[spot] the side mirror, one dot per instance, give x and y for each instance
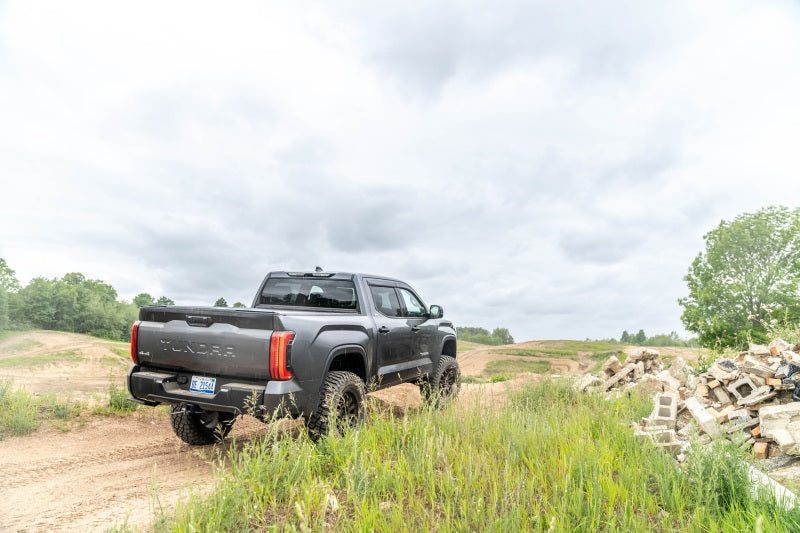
(436, 311)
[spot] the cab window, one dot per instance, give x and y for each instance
(414, 307)
(386, 301)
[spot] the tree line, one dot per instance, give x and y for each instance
(482, 336)
(72, 303)
(640, 338)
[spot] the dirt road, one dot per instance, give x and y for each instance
(110, 469)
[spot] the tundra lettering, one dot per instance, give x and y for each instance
(199, 348)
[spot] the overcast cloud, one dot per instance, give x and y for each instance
(550, 167)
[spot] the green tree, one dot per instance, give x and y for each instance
(4, 319)
(163, 300)
(746, 278)
(74, 303)
(221, 303)
(142, 299)
(8, 278)
(239, 305)
(626, 337)
(639, 338)
(502, 335)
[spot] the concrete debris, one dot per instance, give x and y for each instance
(752, 399)
(781, 423)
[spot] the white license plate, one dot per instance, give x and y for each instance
(202, 384)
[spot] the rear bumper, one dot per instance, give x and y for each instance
(257, 398)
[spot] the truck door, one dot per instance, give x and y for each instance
(394, 347)
(423, 330)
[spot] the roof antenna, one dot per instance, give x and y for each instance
(318, 269)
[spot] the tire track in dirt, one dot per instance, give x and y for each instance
(94, 477)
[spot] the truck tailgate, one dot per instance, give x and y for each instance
(206, 340)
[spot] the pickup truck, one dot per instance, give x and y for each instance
(310, 346)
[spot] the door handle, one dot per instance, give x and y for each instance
(414, 329)
(383, 329)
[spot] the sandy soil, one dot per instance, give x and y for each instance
(109, 469)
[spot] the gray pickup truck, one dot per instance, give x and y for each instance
(310, 346)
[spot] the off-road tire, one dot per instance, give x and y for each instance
(343, 403)
(200, 427)
(443, 385)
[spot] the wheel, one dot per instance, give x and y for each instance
(200, 427)
(343, 404)
(443, 385)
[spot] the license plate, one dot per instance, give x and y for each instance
(202, 384)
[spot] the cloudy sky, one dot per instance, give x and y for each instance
(550, 167)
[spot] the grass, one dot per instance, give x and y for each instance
(515, 366)
(41, 359)
(550, 459)
(118, 402)
(580, 346)
(22, 413)
(539, 352)
(24, 344)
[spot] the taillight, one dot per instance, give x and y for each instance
(134, 342)
(278, 354)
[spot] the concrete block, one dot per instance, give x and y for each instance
(643, 354)
(713, 384)
(759, 349)
(742, 387)
(665, 411)
(724, 370)
(670, 382)
(720, 394)
(791, 357)
(757, 368)
(638, 370)
(781, 423)
(738, 413)
(619, 376)
(611, 366)
(779, 345)
(760, 481)
(704, 420)
(759, 395)
(588, 381)
(661, 438)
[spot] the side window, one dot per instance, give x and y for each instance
(413, 306)
(386, 300)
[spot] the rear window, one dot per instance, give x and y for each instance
(327, 293)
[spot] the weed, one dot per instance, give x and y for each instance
(118, 402)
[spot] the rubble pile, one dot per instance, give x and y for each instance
(752, 400)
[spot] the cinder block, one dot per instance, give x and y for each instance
(665, 411)
(661, 438)
(742, 387)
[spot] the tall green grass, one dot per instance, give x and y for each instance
(22, 412)
(549, 459)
